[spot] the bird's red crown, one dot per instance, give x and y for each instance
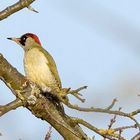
(34, 37)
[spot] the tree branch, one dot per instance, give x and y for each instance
(136, 137)
(14, 8)
(48, 135)
(49, 110)
(108, 111)
(43, 107)
(46, 109)
(108, 133)
(10, 106)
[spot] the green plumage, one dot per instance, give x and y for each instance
(39, 65)
(40, 68)
(52, 65)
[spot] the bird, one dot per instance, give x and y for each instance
(40, 67)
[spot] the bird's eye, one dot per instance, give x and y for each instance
(23, 40)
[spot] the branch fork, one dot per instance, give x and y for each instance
(47, 110)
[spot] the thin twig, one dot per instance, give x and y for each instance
(10, 106)
(104, 133)
(48, 135)
(101, 110)
(124, 127)
(113, 120)
(112, 104)
(136, 137)
(32, 9)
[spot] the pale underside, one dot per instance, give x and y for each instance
(38, 71)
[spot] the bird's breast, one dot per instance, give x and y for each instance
(37, 68)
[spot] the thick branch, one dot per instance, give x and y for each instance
(47, 109)
(43, 108)
(14, 8)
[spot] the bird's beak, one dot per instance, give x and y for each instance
(17, 40)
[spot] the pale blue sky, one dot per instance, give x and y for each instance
(94, 43)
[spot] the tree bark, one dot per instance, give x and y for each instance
(43, 108)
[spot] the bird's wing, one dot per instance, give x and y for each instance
(53, 67)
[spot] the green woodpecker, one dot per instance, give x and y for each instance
(39, 65)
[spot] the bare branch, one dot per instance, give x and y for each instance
(14, 8)
(112, 104)
(48, 136)
(10, 106)
(108, 111)
(124, 127)
(136, 137)
(43, 107)
(32, 9)
(113, 120)
(109, 133)
(47, 109)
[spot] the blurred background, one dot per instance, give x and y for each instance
(94, 43)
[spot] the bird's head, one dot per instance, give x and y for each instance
(27, 41)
